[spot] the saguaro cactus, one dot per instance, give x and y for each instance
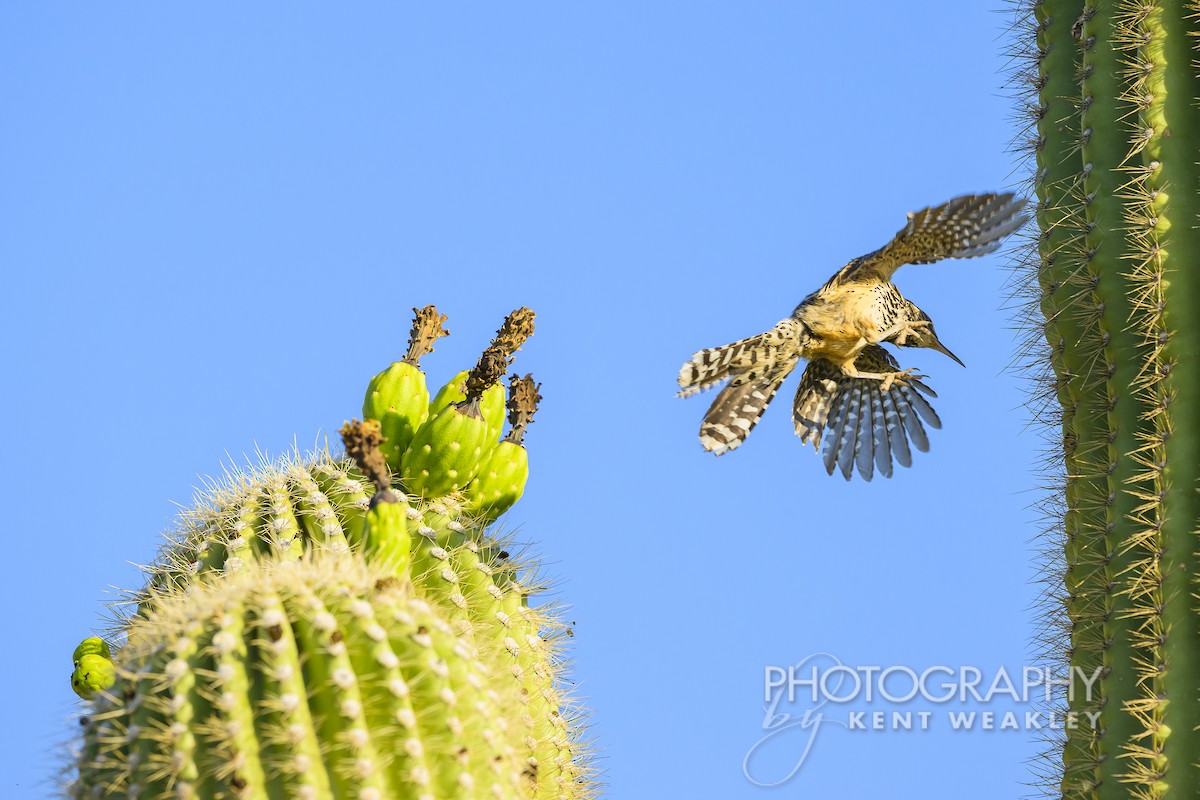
(320, 629)
(1117, 266)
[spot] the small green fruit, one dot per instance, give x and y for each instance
(91, 646)
(446, 452)
(93, 673)
(499, 483)
(398, 399)
(491, 405)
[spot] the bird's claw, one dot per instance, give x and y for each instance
(900, 378)
(909, 329)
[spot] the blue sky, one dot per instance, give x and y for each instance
(215, 219)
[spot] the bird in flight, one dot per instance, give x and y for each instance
(853, 393)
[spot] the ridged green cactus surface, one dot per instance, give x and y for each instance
(321, 628)
(325, 677)
(1116, 139)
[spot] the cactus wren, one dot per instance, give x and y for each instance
(852, 386)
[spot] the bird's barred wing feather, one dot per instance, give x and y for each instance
(861, 425)
(737, 409)
(864, 440)
(965, 227)
(883, 439)
(894, 422)
(814, 399)
(838, 423)
(745, 360)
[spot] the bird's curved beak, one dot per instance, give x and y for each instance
(941, 348)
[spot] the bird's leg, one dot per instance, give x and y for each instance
(886, 379)
(902, 330)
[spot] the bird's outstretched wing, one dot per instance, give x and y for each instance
(965, 227)
(737, 408)
(860, 424)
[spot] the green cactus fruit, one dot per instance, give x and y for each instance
(397, 397)
(491, 405)
(91, 646)
(501, 480)
(449, 449)
(454, 391)
(328, 678)
(93, 673)
(446, 452)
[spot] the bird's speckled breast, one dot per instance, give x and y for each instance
(844, 318)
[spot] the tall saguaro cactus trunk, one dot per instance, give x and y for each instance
(1116, 99)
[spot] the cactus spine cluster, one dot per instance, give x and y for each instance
(346, 628)
(1116, 131)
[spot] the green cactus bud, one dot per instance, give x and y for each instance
(491, 405)
(452, 445)
(446, 452)
(499, 483)
(385, 536)
(454, 391)
(397, 397)
(501, 480)
(91, 646)
(93, 673)
(518, 326)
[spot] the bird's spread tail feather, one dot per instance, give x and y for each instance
(746, 360)
(736, 410)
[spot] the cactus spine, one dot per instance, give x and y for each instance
(1118, 189)
(323, 629)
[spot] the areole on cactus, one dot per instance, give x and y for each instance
(1115, 92)
(324, 628)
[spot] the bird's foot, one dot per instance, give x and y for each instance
(899, 378)
(899, 333)
(889, 379)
